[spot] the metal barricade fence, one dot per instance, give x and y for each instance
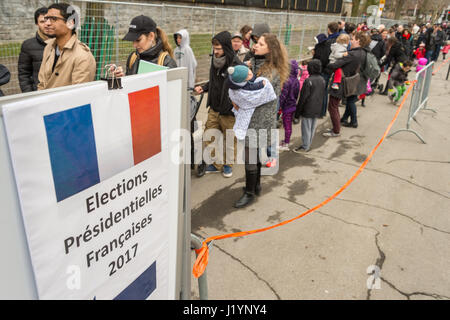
(419, 98)
(103, 24)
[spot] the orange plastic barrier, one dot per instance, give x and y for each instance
(203, 253)
(440, 66)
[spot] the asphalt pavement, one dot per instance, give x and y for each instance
(387, 236)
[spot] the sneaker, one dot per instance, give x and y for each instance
(227, 171)
(211, 169)
(328, 130)
(350, 125)
(271, 163)
(300, 150)
(283, 147)
(335, 86)
(331, 134)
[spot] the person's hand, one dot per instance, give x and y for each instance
(235, 106)
(117, 71)
(345, 54)
(264, 82)
(198, 90)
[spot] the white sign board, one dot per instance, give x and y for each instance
(91, 173)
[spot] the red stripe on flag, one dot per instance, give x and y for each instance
(145, 123)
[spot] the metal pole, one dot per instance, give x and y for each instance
(214, 25)
(301, 40)
(196, 244)
(281, 24)
(117, 35)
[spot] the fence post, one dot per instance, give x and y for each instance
(214, 25)
(117, 35)
(196, 244)
(281, 24)
(301, 40)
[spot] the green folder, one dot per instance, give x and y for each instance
(145, 67)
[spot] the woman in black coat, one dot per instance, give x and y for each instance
(351, 64)
(395, 53)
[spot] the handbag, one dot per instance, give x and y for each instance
(351, 84)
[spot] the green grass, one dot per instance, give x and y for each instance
(8, 50)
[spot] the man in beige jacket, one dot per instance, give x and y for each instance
(66, 60)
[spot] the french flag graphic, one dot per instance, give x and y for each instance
(84, 150)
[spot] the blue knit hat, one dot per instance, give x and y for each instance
(320, 38)
(238, 73)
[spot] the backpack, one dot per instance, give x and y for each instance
(160, 62)
(370, 69)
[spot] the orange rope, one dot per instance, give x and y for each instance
(203, 253)
(440, 66)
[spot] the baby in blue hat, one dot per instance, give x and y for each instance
(241, 77)
(247, 93)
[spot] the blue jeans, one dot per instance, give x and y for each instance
(350, 110)
(428, 55)
(435, 54)
(323, 112)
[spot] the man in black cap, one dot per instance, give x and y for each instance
(150, 43)
(220, 115)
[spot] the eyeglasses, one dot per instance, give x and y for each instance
(53, 18)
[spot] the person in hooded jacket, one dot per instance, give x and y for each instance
(151, 45)
(184, 56)
(288, 101)
(309, 104)
(220, 114)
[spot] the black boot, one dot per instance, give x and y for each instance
(258, 181)
(249, 192)
(201, 169)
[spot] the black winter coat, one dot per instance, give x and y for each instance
(311, 96)
(322, 50)
(379, 50)
(350, 64)
(30, 59)
(397, 54)
(217, 86)
(4, 77)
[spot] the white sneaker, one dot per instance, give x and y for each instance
(331, 134)
(283, 147)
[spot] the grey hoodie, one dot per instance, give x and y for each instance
(184, 56)
(337, 51)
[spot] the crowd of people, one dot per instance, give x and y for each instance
(251, 80)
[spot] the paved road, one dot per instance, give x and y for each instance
(394, 216)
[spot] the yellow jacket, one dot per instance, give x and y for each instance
(76, 64)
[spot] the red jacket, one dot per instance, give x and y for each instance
(420, 53)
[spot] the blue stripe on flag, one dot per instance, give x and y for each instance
(142, 287)
(73, 156)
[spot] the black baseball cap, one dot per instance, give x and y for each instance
(140, 25)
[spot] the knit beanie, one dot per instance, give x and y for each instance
(320, 38)
(238, 73)
(422, 61)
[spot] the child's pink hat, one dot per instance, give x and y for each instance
(423, 61)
